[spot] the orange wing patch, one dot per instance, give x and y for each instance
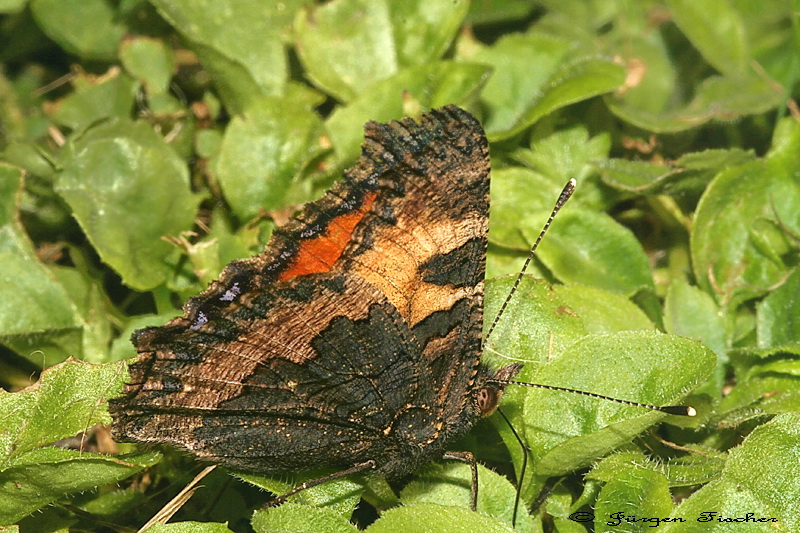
(321, 252)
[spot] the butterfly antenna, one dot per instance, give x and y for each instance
(680, 410)
(569, 188)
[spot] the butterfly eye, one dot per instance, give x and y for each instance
(486, 401)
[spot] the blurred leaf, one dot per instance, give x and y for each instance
(12, 6)
(716, 98)
(111, 95)
(716, 29)
(692, 171)
(149, 61)
(348, 45)
(690, 312)
(114, 176)
(518, 95)
(240, 46)
(91, 29)
(263, 153)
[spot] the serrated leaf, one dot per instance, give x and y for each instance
(634, 491)
(568, 432)
(433, 517)
(449, 483)
(755, 482)
(36, 416)
(338, 495)
(737, 241)
(189, 527)
(44, 475)
(296, 518)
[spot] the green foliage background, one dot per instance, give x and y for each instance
(147, 144)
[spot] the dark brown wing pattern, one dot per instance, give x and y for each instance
(354, 337)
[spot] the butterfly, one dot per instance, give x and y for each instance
(354, 341)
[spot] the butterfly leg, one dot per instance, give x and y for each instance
(355, 469)
(467, 457)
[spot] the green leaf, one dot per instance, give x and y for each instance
(779, 315)
(339, 495)
(348, 45)
(149, 61)
(449, 483)
(691, 172)
(67, 400)
(635, 491)
(115, 176)
(94, 308)
(591, 247)
(737, 242)
(91, 29)
(263, 154)
(10, 7)
(715, 98)
(566, 432)
(45, 475)
(434, 517)
(549, 331)
(573, 82)
(690, 312)
(513, 85)
(240, 46)
(96, 98)
(295, 518)
(33, 301)
(716, 29)
(755, 481)
(189, 527)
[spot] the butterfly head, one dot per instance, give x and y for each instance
(488, 395)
